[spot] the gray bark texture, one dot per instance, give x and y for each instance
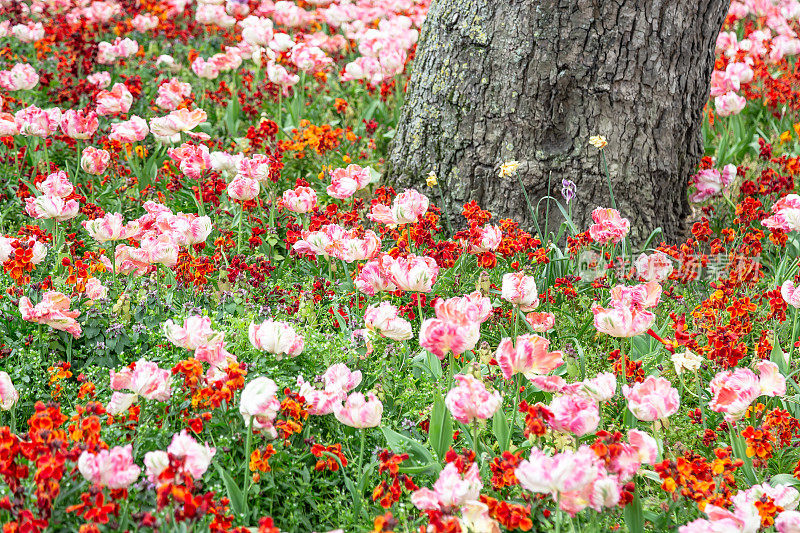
(500, 80)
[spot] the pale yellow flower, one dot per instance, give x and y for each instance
(509, 168)
(431, 180)
(598, 141)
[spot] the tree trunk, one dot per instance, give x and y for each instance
(531, 81)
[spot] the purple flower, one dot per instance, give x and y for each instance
(568, 190)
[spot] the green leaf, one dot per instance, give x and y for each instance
(234, 492)
(440, 434)
(417, 453)
(740, 452)
(777, 356)
(501, 430)
(784, 479)
(634, 518)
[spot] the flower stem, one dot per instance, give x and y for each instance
(608, 178)
(361, 451)
(245, 485)
(794, 333)
(239, 230)
(515, 381)
(475, 431)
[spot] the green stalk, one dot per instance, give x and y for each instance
(608, 178)
(515, 381)
(239, 229)
(246, 484)
(794, 333)
(475, 431)
(527, 200)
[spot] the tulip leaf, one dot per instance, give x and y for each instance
(419, 456)
(234, 492)
(501, 429)
(440, 432)
(634, 518)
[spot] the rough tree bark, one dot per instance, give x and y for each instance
(499, 80)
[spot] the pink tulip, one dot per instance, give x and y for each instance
(488, 240)
(621, 321)
(358, 248)
(112, 468)
(55, 207)
(771, 380)
(278, 75)
(653, 399)
(574, 413)
(600, 388)
(470, 400)
(636, 297)
(195, 332)
(520, 290)
(144, 22)
(733, 391)
(608, 227)
(243, 189)
(8, 394)
(256, 168)
(319, 402)
(654, 267)
(275, 337)
(407, 208)
(541, 322)
(785, 214)
(196, 457)
(645, 445)
(791, 293)
(34, 122)
(346, 181)
(413, 273)
(472, 308)
(564, 472)
(101, 80)
(192, 159)
(441, 337)
(8, 125)
(172, 93)
(339, 377)
(373, 278)
(117, 100)
(56, 184)
(53, 311)
(529, 356)
(309, 58)
(260, 404)
(205, 69)
(383, 319)
(95, 290)
(711, 183)
(729, 104)
(94, 161)
(20, 77)
(178, 121)
(79, 125)
(214, 352)
(129, 131)
(300, 200)
(359, 412)
(451, 490)
(111, 227)
(788, 522)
